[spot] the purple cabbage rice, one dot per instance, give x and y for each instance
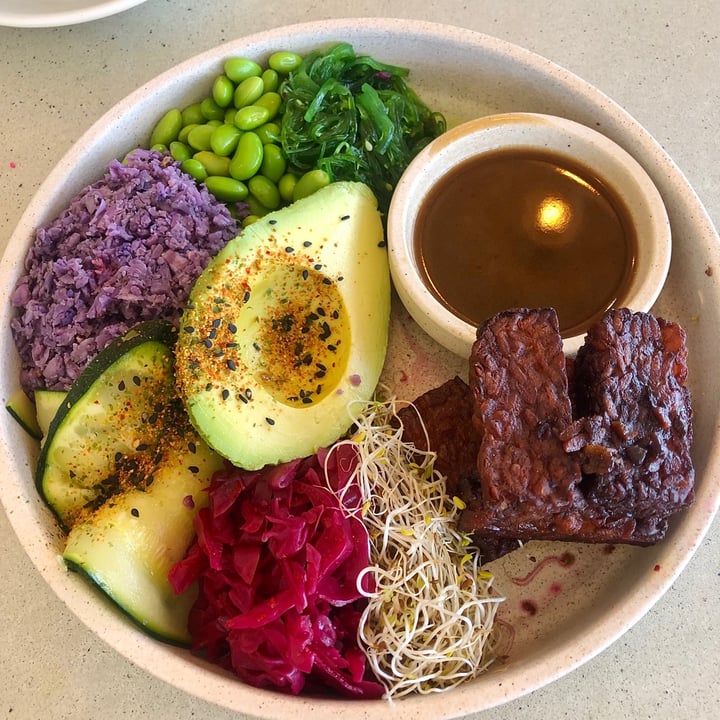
(127, 249)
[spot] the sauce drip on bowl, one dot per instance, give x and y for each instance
(524, 228)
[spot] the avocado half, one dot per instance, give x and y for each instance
(287, 329)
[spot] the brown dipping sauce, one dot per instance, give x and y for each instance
(524, 228)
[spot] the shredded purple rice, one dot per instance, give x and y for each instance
(127, 249)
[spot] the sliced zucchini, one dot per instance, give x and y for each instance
(22, 408)
(47, 403)
(109, 424)
(128, 546)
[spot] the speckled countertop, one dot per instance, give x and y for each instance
(658, 60)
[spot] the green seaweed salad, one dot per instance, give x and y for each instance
(355, 118)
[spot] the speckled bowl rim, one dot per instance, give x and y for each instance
(601, 156)
(123, 126)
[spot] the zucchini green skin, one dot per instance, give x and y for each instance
(128, 546)
(21, 407)
(105, 415)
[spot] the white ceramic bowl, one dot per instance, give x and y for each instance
(562, 138)
(464, 74)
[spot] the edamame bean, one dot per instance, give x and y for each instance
(222, 90)
(187, 129)
(211, 110)
(271, 101)
(251, 117)
(271, 80)
(226, 189)
(286, 186)
(237, 69)
(224, 139)
(248, 91)
(199, 137)
(310, 182)
(167, 128)
(274, 163)
(192, 115)
(159, 147)
(269, 133)
(180, 151)
(214, 164)
(248, 157)
(265, 191)
(284, 61)
(195, 169)
(256, 207)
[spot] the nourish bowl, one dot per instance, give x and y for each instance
(525, 210)
(465, 75)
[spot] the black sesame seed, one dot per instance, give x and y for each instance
(121, 385)
(269, 421)
(207, 342)
(320, 311)
(318, 266)
(289, 249)
(256, 346)
(382, 244)
(243, 398)
(194, 469)
(306, 400)
(248, 393)
(231, 364)
(327, 281)
(307, 243)
(135, 512)
(212, 334)
(208, 386)
(189, 329)
(345, 217)
(340, 278)
(320, 366)
(305, 274)
(232, 327)
(272, 222)
(217, 322)
(225, 394)
(192, 447)
(141, 447)
(332, 348)
(246, 296)
(136, 380)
